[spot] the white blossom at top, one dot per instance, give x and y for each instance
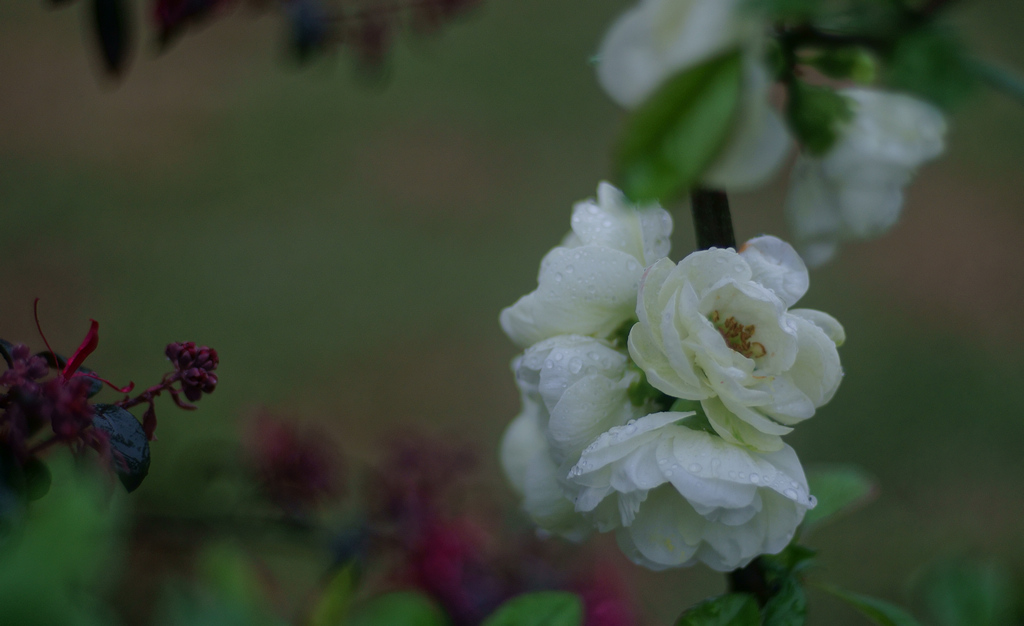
(588, 285)
(717, 328)
(856, 190)
(573, 389)
(659, 38)
(682, 495)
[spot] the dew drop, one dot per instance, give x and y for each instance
(754, 478)
(575, 365)
(558, 277)
(593, 209)
(668, 473)
(559, 356)
(812, 501)
(569, 269)
(790, 493)
(694, 468)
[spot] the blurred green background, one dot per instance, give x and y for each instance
(347, 246)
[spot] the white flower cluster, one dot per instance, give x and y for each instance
(853, 191)
(712, 340)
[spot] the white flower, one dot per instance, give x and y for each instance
(573, 389)
(659, 38)
(685, 495)
(587, 285)
(856, 190)
(716, 328)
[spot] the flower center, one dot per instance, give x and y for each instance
(737, 336)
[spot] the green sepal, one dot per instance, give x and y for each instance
(851, 63)
(816, 114)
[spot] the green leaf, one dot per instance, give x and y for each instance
(878, 611)
(967, 593)
(5, 352)
(932, 64)
(230, 575)
(333, 605)
(788, 604)
(815, 115)
(732, 609)
(675, 135)
(54, 568)
(543, 608)
(407, 608)
(129, 445)
(838, 489)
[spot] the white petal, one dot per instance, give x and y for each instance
(825, 322)
(589, 290)
(777, 266)
(813, 211)
(759, 144)
(613, 222)
(817, 371)
(619, 442)
(666, 531)
(629, 67)
(522, 443)
(734, 430)
(588, 408)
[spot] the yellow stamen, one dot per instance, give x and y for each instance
(737, 336)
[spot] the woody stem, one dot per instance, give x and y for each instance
(711, 220)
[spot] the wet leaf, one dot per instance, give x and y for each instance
(128, 443)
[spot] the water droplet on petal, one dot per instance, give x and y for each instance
(558, 277)
(790, 493)
(754, 478)
(569, 269)
(694, 468)
(575, 365)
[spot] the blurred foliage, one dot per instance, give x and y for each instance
(544, 608)
(678, 131)
(56, 563)
(732, 609)
(969, 592)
